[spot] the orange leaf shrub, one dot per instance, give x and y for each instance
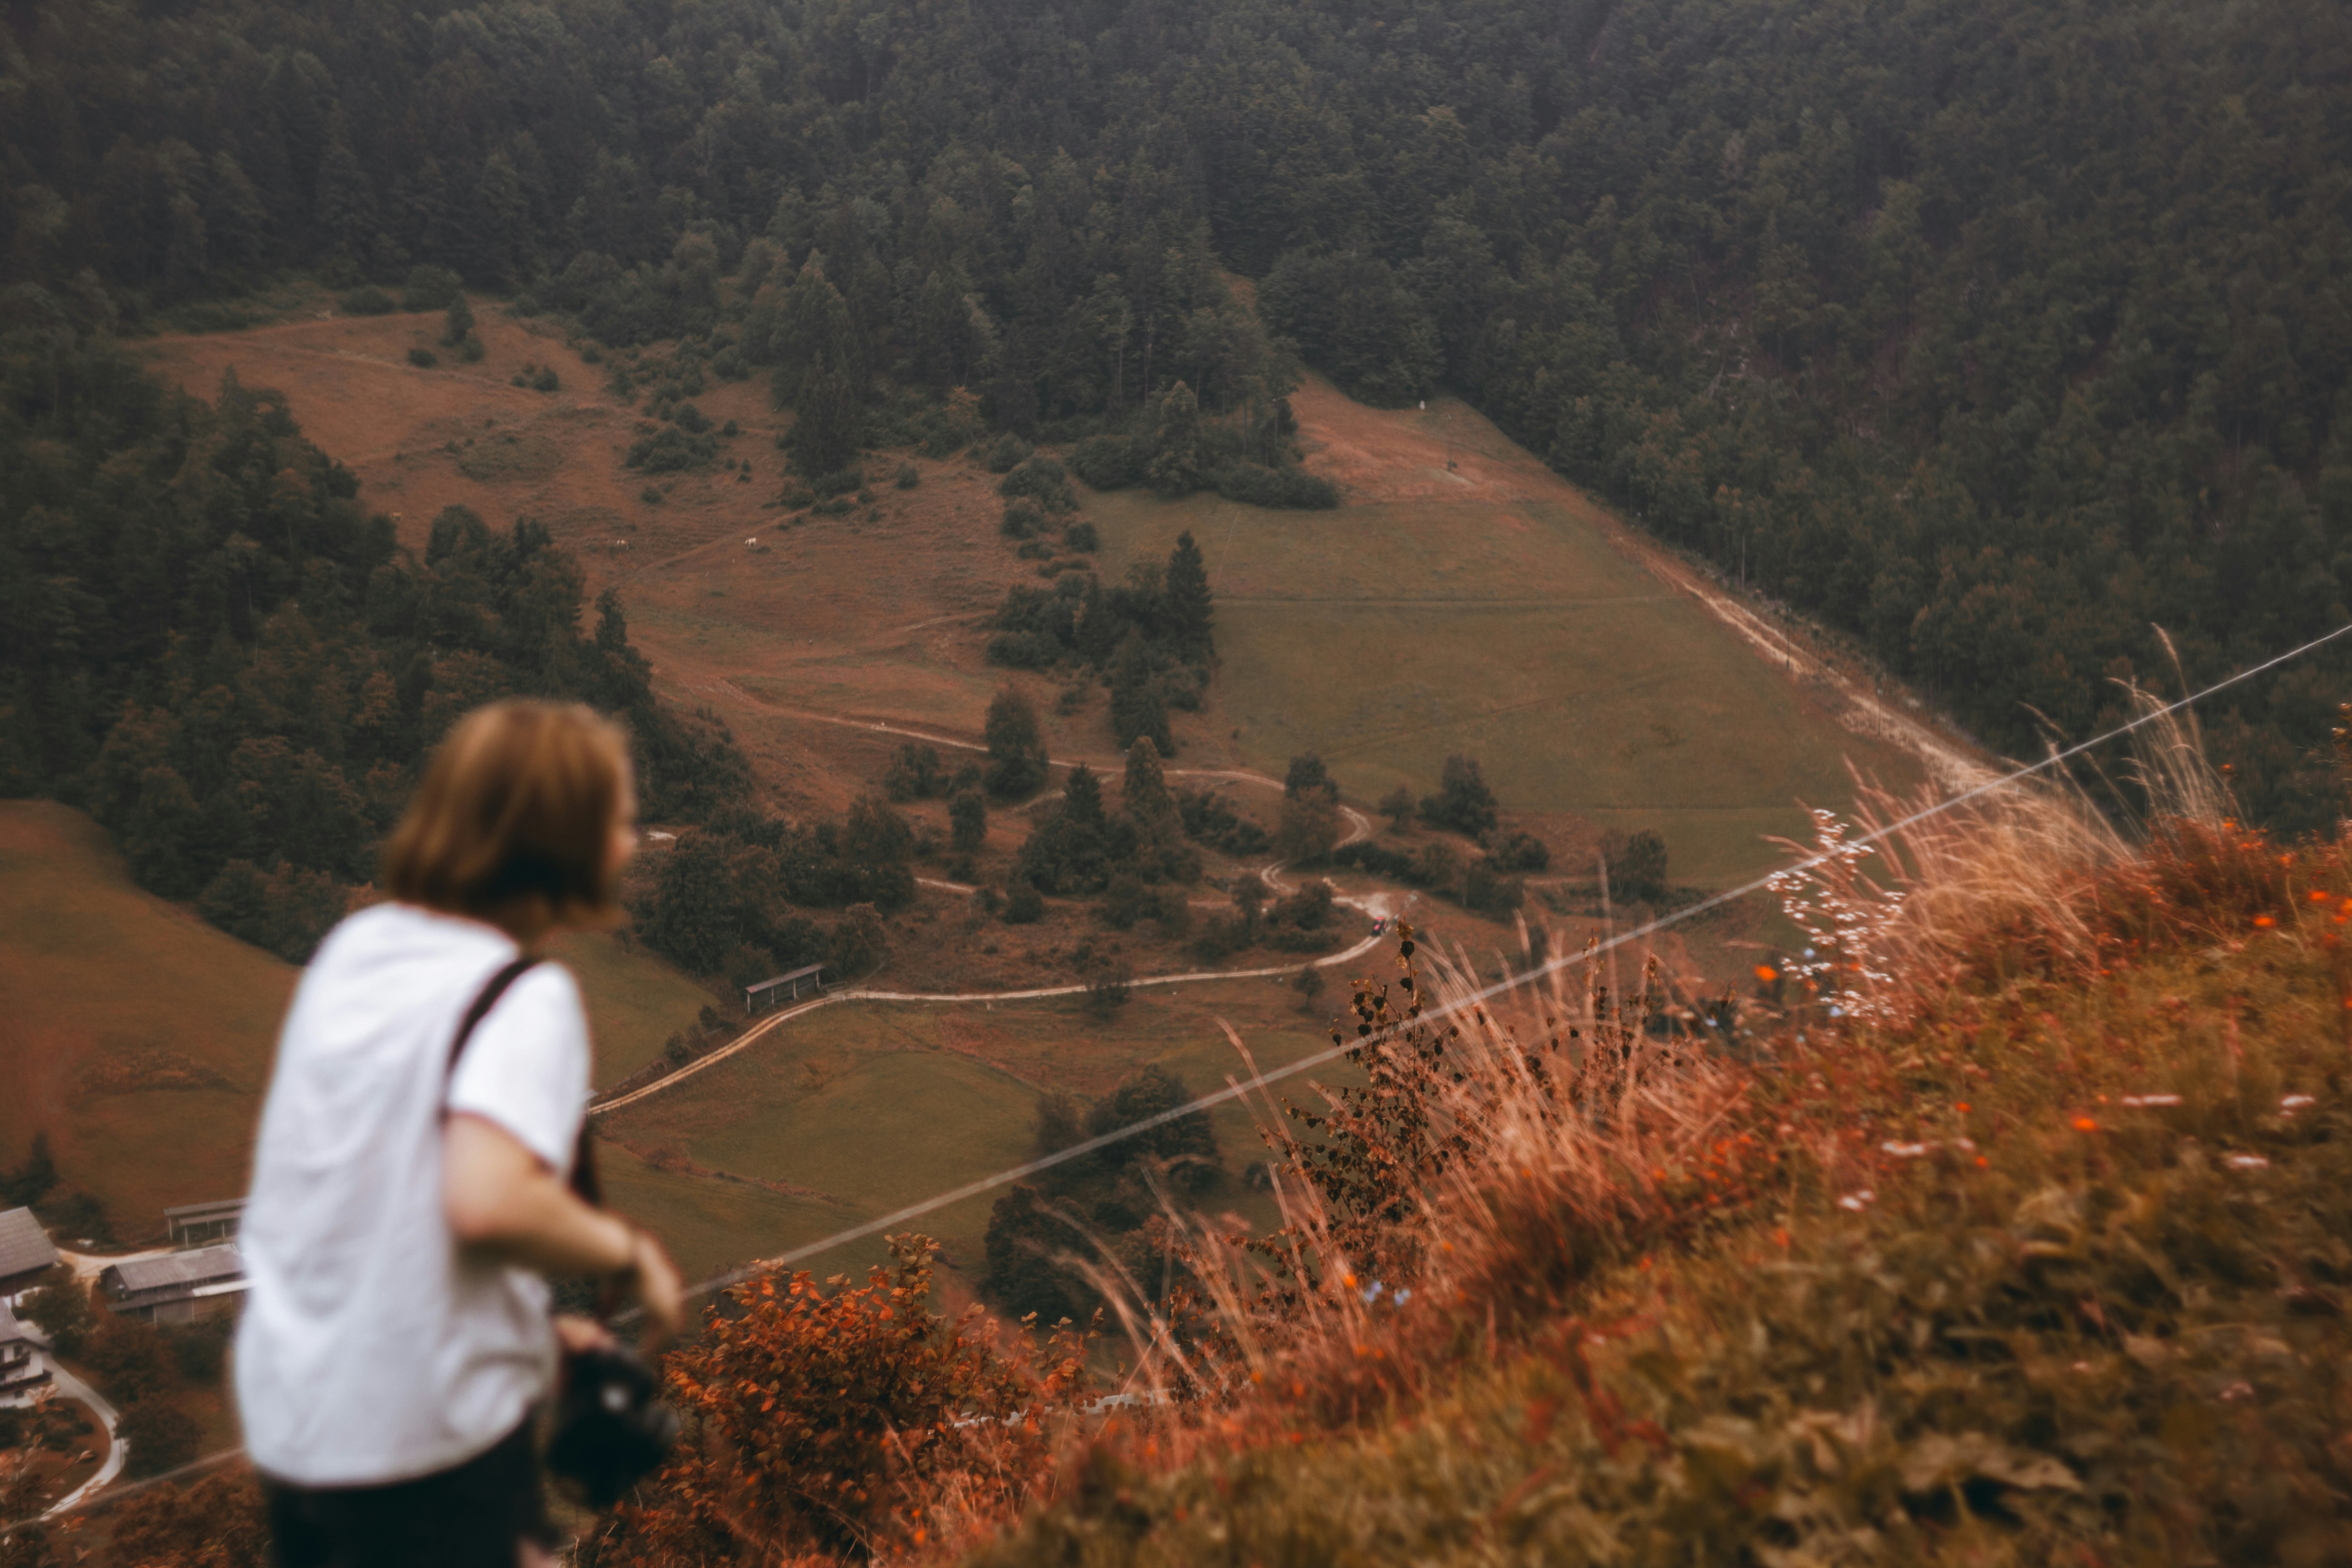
(845, 1423)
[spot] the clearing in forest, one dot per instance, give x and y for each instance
(1466, 599)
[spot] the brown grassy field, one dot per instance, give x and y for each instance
(1463, 599)
(869, 1106)
(136, 1036)
(139, 1037)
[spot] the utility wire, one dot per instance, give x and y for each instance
(1332, 1053)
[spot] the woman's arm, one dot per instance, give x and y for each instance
(500, 1195)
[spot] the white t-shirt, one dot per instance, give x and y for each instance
(372, 1349)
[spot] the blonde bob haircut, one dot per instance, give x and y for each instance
(516, 816)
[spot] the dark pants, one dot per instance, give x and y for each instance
(474, 1515)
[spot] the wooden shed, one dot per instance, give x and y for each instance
(784, 989)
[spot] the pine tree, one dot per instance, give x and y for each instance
(1175, 466)
(346, 200)
(1185, 594)
(1144, 793)
(1082, 804)
(967, 823)
(458, 322)
(1017, 747)
(829, 423)
(498, 225)
(1137, 709)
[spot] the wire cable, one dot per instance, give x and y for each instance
(1332, 1053)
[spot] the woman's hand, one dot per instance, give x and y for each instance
(659, 1288)
(577, 1335)
(500, 1195)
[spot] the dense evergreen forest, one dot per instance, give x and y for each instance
(206, 641)
(1993, 333)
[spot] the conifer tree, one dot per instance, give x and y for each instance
(1185, 594)
(458, 322)
(1144, 793)
(1017, 747)
(346, 201)
(967, 823)
(1137, 709)
(1175, 466)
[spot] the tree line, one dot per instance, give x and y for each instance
(209, 645)
(1993, 335)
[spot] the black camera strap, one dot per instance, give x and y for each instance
(584, 1184)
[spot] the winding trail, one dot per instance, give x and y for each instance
(118, 1452)
(1359, 827)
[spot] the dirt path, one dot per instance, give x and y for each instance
(1863, 711)
(1359, 826)
(1378, 905)
(1375, 905)
(1447, 450)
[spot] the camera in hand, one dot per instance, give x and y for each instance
(610, 1429)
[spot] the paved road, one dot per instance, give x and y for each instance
(72, 1387)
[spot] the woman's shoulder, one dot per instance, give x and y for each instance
(548, 984)
(406, 932)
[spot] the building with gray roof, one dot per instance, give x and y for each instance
(173, 1287)
(25, 1253)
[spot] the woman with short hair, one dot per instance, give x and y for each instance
(415, 1166)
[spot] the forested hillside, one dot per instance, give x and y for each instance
(205, 642)
(1994, 332)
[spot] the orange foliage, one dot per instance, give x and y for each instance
(846, 1423)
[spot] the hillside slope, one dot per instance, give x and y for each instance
(2048, 1267)
(139, 1037)
(1464, 599)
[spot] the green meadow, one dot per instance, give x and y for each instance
(1389, 635)
(872, 1106)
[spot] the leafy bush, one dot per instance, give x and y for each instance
(1002, 454)
(1519, 850)
(423, 358)
(1108, 462)
(160, 1435)
(369, 300)
(908, 476)
(470, 348)
(670, 450)
(1637, 864)
(870, 1412)
(1023, 650)
(1486, 890)
(60, 1306)
(1462, 801)
(840, 482)
(131, 1361)
(1208, 820)
(1040, 479)
(1081, 536)
(1024, 905)
(430, 287)
(1257, 485)
(545, 380)
(915, 772)
(1023, 518)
